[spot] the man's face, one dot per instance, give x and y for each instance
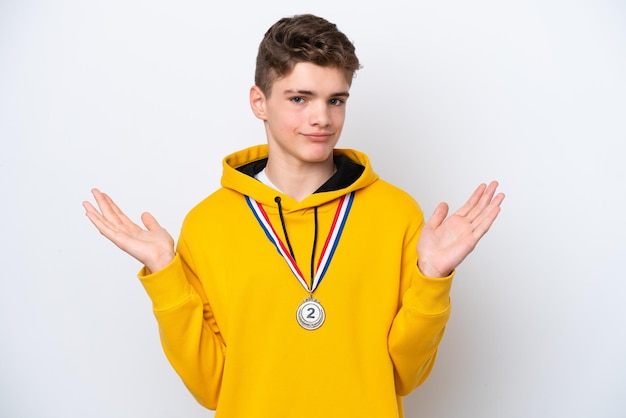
(304, 114)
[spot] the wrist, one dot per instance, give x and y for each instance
(428, 270)
(160, 262)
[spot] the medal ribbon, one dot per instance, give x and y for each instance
(332, 240)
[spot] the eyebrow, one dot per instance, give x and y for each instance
(312, 93)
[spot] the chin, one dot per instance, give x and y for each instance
(321, 150)
(318, 156)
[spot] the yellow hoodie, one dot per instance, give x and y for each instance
(226, 306)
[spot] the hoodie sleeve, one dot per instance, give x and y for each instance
(419, 325)
(189, 334)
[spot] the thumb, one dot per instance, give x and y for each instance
(150, 221)
(438, 216)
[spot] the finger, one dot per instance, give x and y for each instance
(472, 201)
(113, 214)
(119, 215)
(484, 201)
(89, 207)
(481, 228)
(482, 225)
(99, 222)
(150, 222)
(104, 204)
(110, 220)
(96, 217)
(438, 216)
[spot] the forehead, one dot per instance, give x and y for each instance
(312, 78)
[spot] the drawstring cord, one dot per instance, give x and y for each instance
(282, 222)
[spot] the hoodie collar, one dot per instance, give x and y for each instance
(353, 172)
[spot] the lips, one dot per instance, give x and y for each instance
(319, 137)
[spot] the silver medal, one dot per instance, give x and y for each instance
(310, 314)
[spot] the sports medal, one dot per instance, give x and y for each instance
(310, 314)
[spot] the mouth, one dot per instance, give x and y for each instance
(319, 136)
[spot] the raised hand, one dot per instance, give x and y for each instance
(153, 246)
(445, 242)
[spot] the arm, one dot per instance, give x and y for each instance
(188, 330)
(443, 244)
(189, 333)
(419, 324)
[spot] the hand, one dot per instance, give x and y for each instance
(153, 246)
(444, 243)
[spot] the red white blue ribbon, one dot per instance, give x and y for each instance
(332, 240)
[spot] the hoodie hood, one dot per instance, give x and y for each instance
(354, 172)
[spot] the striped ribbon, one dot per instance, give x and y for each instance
(330, 245)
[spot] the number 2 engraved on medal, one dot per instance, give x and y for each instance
(310, 314)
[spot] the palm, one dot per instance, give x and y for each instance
(152, 246)
(445, 242)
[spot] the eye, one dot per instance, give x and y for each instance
(297, 99)
(336, 102)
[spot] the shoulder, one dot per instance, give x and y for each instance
(382, 205)
(214, 207)
(382, 194)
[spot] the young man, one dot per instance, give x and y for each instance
(306, 286)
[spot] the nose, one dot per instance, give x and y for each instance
(319, 113)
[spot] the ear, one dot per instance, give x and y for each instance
(257, 102)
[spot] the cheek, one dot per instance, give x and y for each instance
(339, 115)
(285, 115)
(290, 120)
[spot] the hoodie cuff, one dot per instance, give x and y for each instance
(167, 287)
(428, 295)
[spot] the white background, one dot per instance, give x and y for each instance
(143, 99)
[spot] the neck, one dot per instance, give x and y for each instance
(300, 180)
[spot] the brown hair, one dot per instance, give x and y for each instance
(302, 38)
